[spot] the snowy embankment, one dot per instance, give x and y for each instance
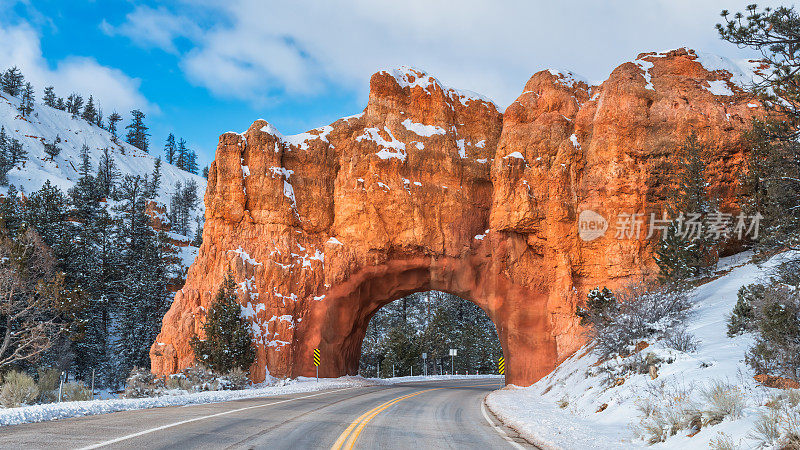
(585, 403)
(63, 410)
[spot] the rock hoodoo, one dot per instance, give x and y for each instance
(434, 188)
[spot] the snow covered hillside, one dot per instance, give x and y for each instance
(706, 398)
(45, 123)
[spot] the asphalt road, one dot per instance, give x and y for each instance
(423, 415)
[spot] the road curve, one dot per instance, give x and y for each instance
(441, 414)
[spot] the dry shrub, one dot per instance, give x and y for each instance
(48, 380)
(640, 311)
(723, 400)
(178, 381)
(723, 442)
(235, 380)
(767, 429)
(75, 391)
(142, 383)
(18, 388)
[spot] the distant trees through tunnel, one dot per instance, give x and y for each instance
(431, 322)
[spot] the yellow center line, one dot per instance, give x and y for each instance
(354, 430)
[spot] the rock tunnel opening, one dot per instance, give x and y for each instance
(429, 323)
(339, 323)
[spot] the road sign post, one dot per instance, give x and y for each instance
(453, 353)
(317, 360)
(425, 364)
(501, 366)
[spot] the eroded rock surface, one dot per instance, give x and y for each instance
(433, 188)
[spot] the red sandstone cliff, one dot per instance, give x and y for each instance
(432, 188)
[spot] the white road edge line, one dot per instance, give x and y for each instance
(175, 424)
(499, 430)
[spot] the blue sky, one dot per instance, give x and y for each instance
(200, 68)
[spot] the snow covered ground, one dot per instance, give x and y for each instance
(583, 405)
(45, 123)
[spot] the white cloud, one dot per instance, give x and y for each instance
(111, 87)
(153, 27)
(252, 49)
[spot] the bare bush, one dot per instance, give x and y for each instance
(723, 442)
(178, 381)
(723, 400)
(666, 410)
(643, 310)
(235, 380)
(767, 428)
(31, 298)
(18, 388)
(142, 383)
(681, 340)
(75, 391)
(47, 382)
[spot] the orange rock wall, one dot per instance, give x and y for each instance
(432, 188)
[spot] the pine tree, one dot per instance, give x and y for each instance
(771, 181)
(228, 343)
(17, 153)
(99, 121)
(52, 149)
(10, 210)
(137, 131)
(60, 104)
(170, 148)
(191, 163)
(50, 97)
(681, 252)
(198, 232)
(46, 211)
(95, 269)
(599, 305)
(107, 174)
(26, 103)
(182, 204)
(5, 157)
(182, 160)
(144, 296)
(89, 111)
(155, 180)
(113, 119)
(205, 172)
(74, 104)
(12, 81)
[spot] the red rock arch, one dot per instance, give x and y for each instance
(432, 188)
(339, 326)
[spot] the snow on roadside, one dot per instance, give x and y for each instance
(577, 407)
(63, 410)
(543, 424)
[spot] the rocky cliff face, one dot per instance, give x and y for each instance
(433, 188)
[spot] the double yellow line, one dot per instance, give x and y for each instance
(348, 438)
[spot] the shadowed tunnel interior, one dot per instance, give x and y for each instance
(429, 323)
